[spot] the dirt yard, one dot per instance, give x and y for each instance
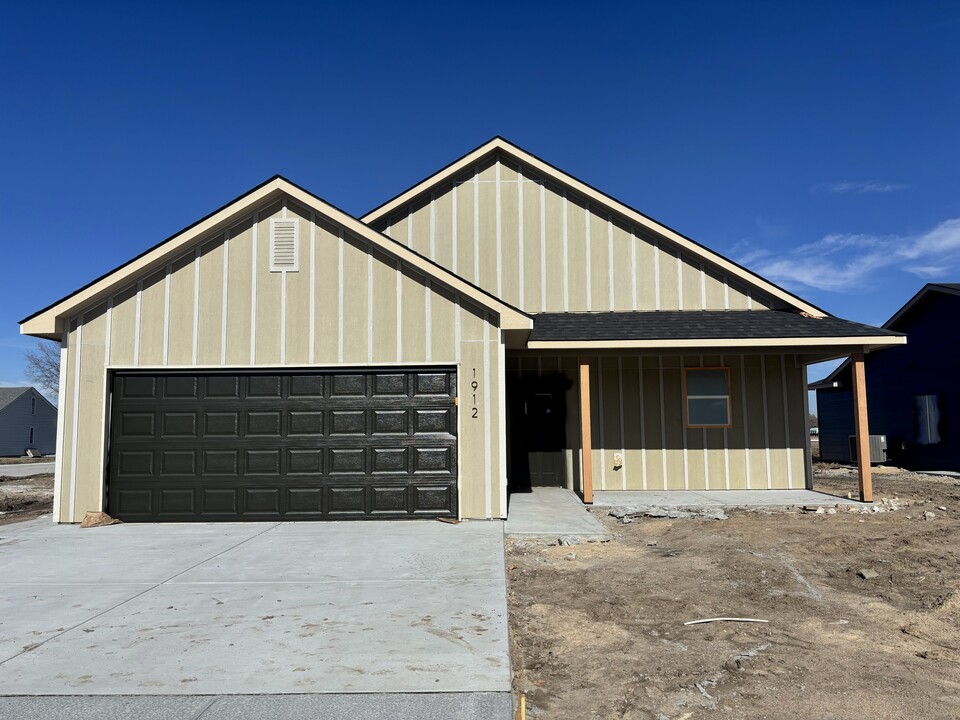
(864, 618)
(25, 498)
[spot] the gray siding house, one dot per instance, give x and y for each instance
(27, 420)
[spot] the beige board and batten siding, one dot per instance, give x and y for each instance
(637, 410)
(219, 305)
(544, 248)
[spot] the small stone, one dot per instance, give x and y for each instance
(868, 574)
(652, 543)
(820, 511)
(929, 515)
(831, 511)
(571, 556)
(941, 507)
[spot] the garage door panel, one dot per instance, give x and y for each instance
(300, 444)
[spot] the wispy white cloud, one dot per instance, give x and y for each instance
(850, 186)
(846, 262)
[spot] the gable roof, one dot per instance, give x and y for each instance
(833, 378)
(9, 394)
(48, 322)
(500, 145)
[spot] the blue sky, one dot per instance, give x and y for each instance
(815, 142)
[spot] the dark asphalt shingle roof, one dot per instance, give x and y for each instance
(693, 324)
(9, 394)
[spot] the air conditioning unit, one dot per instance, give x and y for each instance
(878, 448)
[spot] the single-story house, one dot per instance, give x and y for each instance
(498, 325)
(27, 421)
(913, 391)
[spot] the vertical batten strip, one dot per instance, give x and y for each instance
(706, 455)
(497, 168)
(623, 442)
(487, 469)
(656, 272)
(283, 296)
(746, 424)
(726, 293)
(683, 430)
(76, 421)
(543, 248)
(643, 425)
(663, 426)
(166, 313)
(588, 267)
(726, 442)
(610, 276)
(601, 429)
(136, 327)
(679, 280)
(749, 299)
(105, 422)
(476, 226)
(428, 315)
(502, 424)
(523, 300)
(370, 303)
(453, 230)
(766, 417)
(253, 288)
(61, 424)
(457, 331)
(786, 422)
(340, 296)
(196, 307)
(433, 226)
(703, 288)
(399, 276)
(311, 353)
(224, 299)
(566, 260)
(633, 270)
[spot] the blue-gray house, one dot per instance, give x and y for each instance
(27, 420)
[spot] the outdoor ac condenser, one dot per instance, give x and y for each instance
(878, 448)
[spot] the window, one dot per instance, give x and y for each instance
(33, 407)
(31, 436)
(927, 419)
(707, 397)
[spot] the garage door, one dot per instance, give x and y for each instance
(305, 445)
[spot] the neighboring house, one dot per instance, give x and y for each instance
(913, 395)
(27, 420)
(500, 324)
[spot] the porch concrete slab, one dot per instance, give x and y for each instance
(27, 469)
(374, 706)
(415, 607)
(718, 498)
(551, 513)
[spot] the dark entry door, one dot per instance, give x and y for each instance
(537, 430)
(300, 445)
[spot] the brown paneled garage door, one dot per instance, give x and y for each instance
(301, 445)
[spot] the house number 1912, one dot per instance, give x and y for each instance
(474, 386)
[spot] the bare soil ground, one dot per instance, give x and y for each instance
(25, 460)
(597, 630)
(25, 498)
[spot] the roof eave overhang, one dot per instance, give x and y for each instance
(50, 322)
(805, 344)
(500, 145)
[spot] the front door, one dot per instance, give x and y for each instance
(537, 430)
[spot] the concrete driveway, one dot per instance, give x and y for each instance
(288, 609)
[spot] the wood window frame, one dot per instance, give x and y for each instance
(686, 399)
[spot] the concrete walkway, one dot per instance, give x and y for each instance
(26, 469)
(264, 610)
(552, 513)
(717, 498)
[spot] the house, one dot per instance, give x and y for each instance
(27, 420)
(498, 325)
(913, 391)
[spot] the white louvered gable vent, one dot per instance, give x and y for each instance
(284, 249)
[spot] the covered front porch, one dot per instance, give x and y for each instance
(699, 414)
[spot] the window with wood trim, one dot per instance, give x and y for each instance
(706, 396)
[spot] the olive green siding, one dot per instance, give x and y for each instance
(542, 248)
(637, 410)
(218, 305)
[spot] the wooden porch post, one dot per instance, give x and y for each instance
(862, 430)
(585, 440)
